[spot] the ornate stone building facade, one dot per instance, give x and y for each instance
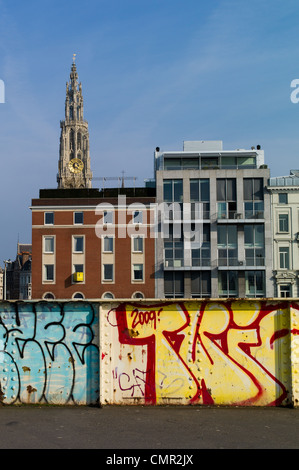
(284, 193)
(74, 157)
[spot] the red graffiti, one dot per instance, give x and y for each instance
(144, 317)
(229, 341)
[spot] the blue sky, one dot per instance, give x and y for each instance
(154, 73)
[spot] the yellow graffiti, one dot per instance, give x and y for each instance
(224, 352)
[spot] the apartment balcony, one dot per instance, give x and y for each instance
(184, 264)
(220, 263)
(234, 216)
(236, 263)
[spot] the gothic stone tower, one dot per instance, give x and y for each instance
(74, 159)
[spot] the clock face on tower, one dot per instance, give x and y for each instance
(76, 165)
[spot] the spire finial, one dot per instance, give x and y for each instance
(74, 58)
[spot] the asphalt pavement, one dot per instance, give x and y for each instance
(116, 428)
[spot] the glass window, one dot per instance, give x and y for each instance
(190, 163)
(137, 272)
(138, 295)
(108, 217)
(78, 217)
(108, 295)
(49, 272)
(138, 244)
(284, 257)
(78, 244)
(255, 283)
(137, 217)
(78, 268)
(226, 189)
(172, 164)
(282, 198)
(226, 192)
(201, 255)
(49, 218)
(49, 244)
(227, 245)
(207, 163)
(174, 249)
(228, 162)
(200, 192)
(108, 272)
(246, 161)
(254, 245)
(228, 283)
(108, 245)
(49, 296)
(200, 284)
(285, 290)
(78, 295)
(283, 222)
(173, 190)
(173, 284)
(253, 189)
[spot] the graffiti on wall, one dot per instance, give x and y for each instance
(210, 352)
(49, 353)
(236, 352)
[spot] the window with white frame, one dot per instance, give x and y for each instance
(285, 290)
(78, 218)
(49, 296)
(78, 244)
(108, 217)
(138, 295)
(49, 272)
(138, 244)
(108, 244)
(283, 220)
(49, 244)
(138, 272)
(49, 218)
(108, 295)
(78, 268)
(108, 272)
(78, 295)
(137, 217)
(284, 257)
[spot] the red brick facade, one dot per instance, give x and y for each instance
(53, 249)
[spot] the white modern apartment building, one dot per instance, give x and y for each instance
(284, 193)
(233, 257)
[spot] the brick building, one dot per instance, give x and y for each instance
(76, 248)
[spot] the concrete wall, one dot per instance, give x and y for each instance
(235, 352)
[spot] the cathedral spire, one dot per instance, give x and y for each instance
(74, 159)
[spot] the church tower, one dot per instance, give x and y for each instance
(74, 158)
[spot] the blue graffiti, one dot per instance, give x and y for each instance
(49, 353)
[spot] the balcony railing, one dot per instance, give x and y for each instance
(207, 262)
(248, 262)
(233, 215)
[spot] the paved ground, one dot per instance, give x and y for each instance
(155, 428)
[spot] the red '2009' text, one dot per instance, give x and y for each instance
(143, 318)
